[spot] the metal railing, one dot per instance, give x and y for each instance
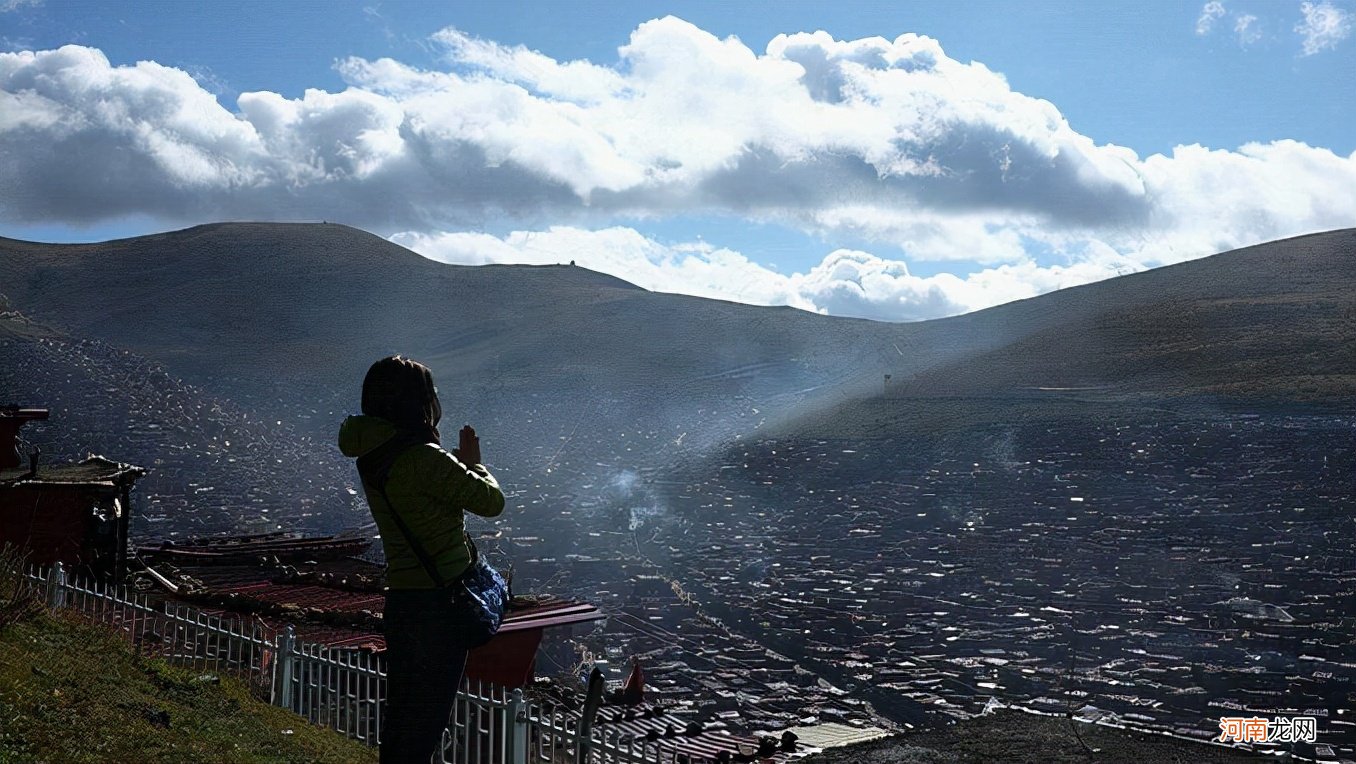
(344, 688)
(178, 633)
(553, 735)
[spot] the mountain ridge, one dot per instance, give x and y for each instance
(247, 309)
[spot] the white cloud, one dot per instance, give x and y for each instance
(890, 142)
(83, 140)
(1213, 200)
(577, 81)
(1245, 26)
(1210, 13)
(845, 283)
(684, 122)
(1323, 27)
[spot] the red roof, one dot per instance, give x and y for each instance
(336, 616)
(554, 614)
(248, 549)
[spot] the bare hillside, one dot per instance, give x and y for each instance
(284, 318)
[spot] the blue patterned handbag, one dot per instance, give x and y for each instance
(480, 595)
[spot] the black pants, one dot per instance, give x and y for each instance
(424, 666)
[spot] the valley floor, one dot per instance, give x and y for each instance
(1011, 736)
(1165, 571)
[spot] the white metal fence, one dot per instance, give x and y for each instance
(177, 633)
(343, 689)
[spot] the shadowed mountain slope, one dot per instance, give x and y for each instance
(293, 314)
(297, 311)
(1268, 326)
(1276, 319)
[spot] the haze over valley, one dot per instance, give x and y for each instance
(867, 363)
(1147, 479)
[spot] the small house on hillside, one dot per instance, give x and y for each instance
(75, 514)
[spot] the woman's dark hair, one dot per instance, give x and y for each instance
(401, 391)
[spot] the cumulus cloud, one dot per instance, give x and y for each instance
(1210, 13)
(1212, 200)
(860, 284)
(82, 140)
(1323, 27)
(13, 5)
(885, 141)
(577, 81)
(845, 283)
(806, 133)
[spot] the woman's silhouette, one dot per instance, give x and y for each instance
(400, 459)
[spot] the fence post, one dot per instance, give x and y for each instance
(592, 701)
(515, 731)
(56, 586)
(283, 668)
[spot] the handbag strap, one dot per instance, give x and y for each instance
(418, 548)
(380, 462)
(424, 558)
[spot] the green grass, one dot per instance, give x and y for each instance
(71, 691)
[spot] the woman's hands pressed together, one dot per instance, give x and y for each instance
(468, 447)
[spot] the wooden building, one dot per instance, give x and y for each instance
(75, 514)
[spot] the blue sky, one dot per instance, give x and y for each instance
(914, 160)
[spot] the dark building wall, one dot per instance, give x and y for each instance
(74, 525)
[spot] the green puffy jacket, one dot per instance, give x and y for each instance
(429, 488)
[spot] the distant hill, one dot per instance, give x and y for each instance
(286, 317)
(1268, 326)
(1277, 319)
(293, 313)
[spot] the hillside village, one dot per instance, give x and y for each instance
(1069, 568)
(1158, 566)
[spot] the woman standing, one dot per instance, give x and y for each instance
(405, 470)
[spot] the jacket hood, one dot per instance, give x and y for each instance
(361, 434)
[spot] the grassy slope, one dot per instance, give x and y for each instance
(1276, 318)
(73, 692)
(1265, 327)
